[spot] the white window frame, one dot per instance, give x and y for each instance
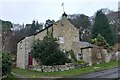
(61, 39)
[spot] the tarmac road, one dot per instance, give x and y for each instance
(110, 73)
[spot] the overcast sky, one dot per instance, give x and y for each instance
(25, 11)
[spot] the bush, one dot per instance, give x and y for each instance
(100, 41)
(47, 52)
(80, 62)
(6, 63)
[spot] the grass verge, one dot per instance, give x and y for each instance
(73, 72)
(10, 77)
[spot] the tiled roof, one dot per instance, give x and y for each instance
(85, 43)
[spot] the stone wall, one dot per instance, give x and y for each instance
(67, 66)
(116, 47)
(100, 55)
(63, 30)
(87, 55)
(23, 49)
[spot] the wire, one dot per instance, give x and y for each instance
(88, 4)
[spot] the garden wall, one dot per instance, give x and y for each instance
(67, 66)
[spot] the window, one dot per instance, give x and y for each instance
(61, 39)
(20, 45)
(80, 56)
(76, 38)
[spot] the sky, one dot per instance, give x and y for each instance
(25, 11)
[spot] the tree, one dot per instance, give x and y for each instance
(6, 25)
(6, 33)
(101, 26)
(82, 22)
(47, 51)
(6, 63)
(34, 27)
(49, 22)
(38, 26)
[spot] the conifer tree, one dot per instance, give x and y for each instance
(101, 26)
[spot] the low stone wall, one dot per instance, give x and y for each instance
(67, 66)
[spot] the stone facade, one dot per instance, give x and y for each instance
(23, 49)
(79, 53)
(63, 30)
(116, 47)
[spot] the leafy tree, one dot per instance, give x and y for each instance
(6, 25)
(6, 33)
(34, 27)
(82, 22)
(38, 26)
(49, 22)
(47, 51)
(85, 35)
(6, 63)
(101, 26)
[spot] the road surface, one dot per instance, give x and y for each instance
(110, 73)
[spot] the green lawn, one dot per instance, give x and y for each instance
(73, 72)
(10, 77)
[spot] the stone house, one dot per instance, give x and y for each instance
(63, 30)
(68, 39)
